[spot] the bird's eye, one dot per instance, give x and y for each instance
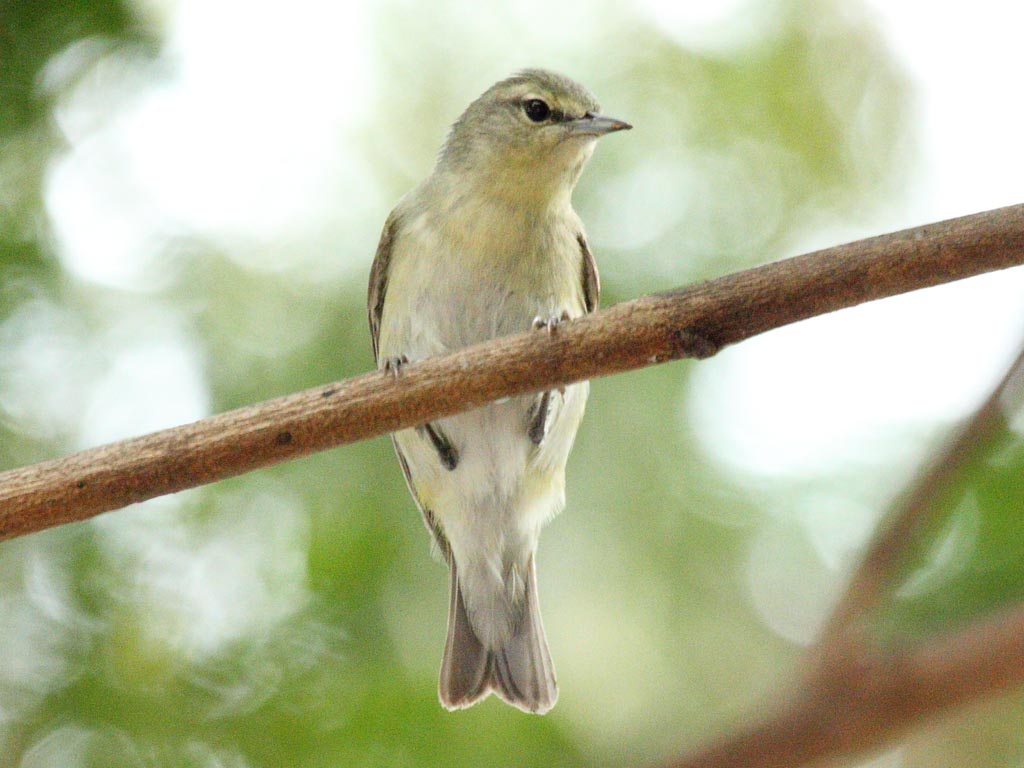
(536, 110)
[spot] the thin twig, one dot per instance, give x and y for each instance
(689, 322)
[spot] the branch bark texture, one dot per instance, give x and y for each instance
(695, 321)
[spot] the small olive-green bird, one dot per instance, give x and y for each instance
(489, 245)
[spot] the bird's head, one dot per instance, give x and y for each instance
(527, 136)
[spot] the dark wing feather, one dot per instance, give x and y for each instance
(591, 280)
(379, 279)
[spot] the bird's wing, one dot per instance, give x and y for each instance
(591, 280)
(429, 519)
(374, 310)
(379, 279)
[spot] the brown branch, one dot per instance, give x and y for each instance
(862, 701)
(693, 321)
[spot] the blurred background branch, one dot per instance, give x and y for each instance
(695, 321)
(857, 693)
(908, 521)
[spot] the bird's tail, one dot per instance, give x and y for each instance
(520, 671)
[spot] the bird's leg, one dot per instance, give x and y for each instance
(445, 450)
(538, 415)
(539, 411)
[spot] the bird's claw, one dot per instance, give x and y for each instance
(550, 323)
(393, 365)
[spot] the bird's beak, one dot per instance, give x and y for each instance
(592, 124)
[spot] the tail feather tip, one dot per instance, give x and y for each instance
(520, 673)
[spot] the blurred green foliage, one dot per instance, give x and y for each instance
(30, 34)
(293, 616)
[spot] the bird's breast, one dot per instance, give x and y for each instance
(477, 274)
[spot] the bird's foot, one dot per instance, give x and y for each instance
(393, 365)
(550, 323)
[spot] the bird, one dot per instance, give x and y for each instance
(489, 245)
